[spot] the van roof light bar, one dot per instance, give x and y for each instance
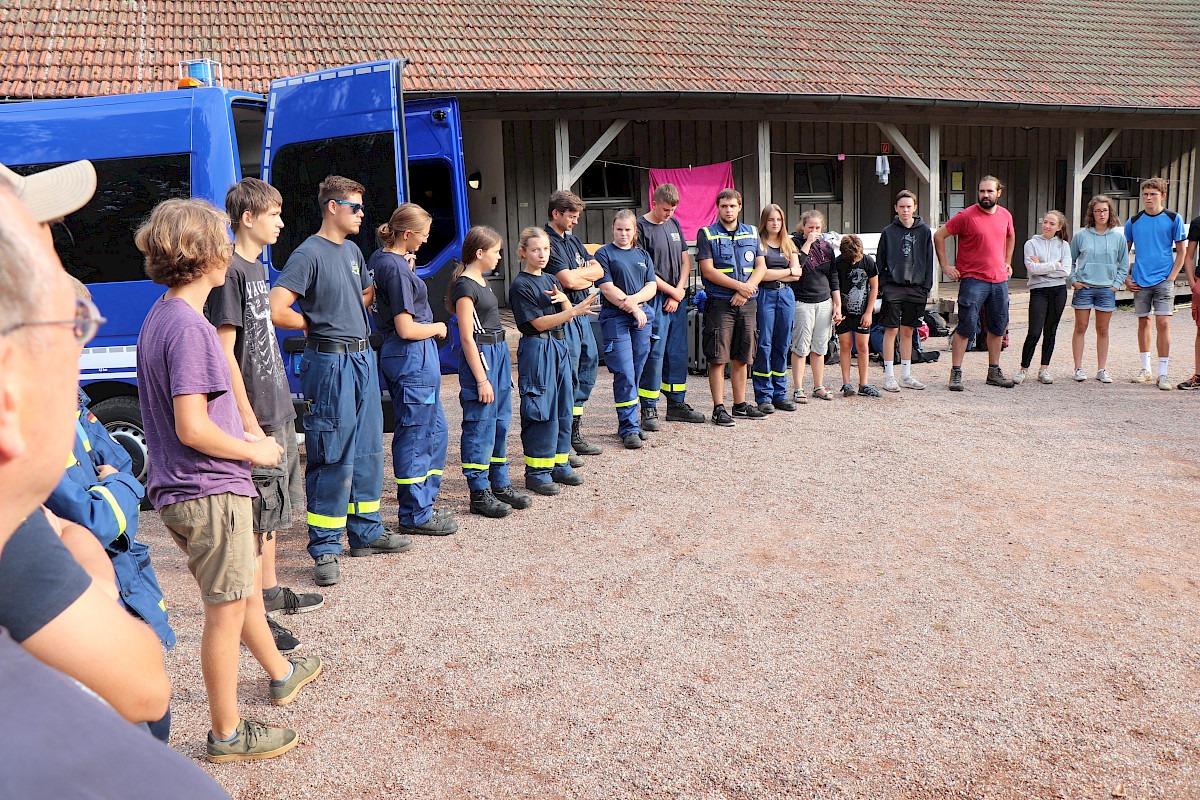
(200, 72)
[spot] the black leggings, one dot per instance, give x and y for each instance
(1046, 304)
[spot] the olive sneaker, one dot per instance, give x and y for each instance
(305, 670)
(252, 740)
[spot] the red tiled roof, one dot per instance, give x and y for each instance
(1120, 53)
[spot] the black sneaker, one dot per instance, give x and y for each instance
(748, 411)
(767, 407)
(289, 602)
(996, 378)
(285, 641)
(568, 479)
(721, 417)
(387, 543)
(507, 494)
(784, 405)
(682, 412)
(436, 525)
(956, 384)
(485, 503)
(632, 441)
(649, 418)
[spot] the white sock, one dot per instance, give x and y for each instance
(905, 368)
(1146, 361)
(1162, 366)
(888, 369)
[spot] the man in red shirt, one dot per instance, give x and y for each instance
(985, 247)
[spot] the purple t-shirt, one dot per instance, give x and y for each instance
(179, 353)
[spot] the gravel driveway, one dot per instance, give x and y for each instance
(932, 595)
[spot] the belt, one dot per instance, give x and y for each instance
(490, 337)
(771, 285)
(553, 333)
(330, 346)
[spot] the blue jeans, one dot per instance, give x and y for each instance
(1101, 298)
(973, 295)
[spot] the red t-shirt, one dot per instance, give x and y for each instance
(982, 241)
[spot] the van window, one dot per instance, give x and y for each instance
(95, 244)
(249, 118)
(298, 169)
(432, 186)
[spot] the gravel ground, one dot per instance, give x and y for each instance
(931, 595)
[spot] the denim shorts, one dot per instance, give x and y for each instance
(1159, 299)
(1101, 298)
(974, 294)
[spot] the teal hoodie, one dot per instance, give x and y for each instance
(1100, 259)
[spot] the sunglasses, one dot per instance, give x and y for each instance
(87, 321)
(355, 208)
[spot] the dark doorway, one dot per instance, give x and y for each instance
(1014, 174)
(875, 199)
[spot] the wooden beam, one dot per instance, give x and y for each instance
(911, 156)
(1101, 150)
(593, 152)
(562, 155)
(764, 163)
(933, 211)
(1075, 178)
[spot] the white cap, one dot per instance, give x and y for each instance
(53, 193)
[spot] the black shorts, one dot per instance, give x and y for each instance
(729, 331)
(902, 312)
(852, 323)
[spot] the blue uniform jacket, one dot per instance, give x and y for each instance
(109, 509)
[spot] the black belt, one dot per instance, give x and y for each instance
(330, 346)
(489, 337)
(771, 285)
(554, 333)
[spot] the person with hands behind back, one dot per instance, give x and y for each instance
(628, 285)
(484, 378)
(408, 359)
(544, 376)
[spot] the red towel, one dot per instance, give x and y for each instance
(698, 189)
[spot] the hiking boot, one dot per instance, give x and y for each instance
(289, 602)
(632, 441)
(509, 495)
(485, 503)
(847, 390)
(767, 407)
(1164, 383)
(575, 461)
(1191, 383)
(867, 390)
(956, 384)
(547, 488)
(568, 479)
(1044, 376)
(305, 670)
(890, 384)
(388, 542)
(327, 572)
(1019, 378)
(783, 404)
(909, 382)
(1081, 376)
(285, 641)
(582, 446)
(996, 378)
(748, 411)
(252, 740)
(649, 419)
(682, 412)
(721, 417)
(1143, 376)
(1102, 376)
(436, 525)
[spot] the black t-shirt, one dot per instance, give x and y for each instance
(330, 279)
(566, 252)
(398, 290)
(854, 281)
(776, 259)
(487, 309)
(1194, 230)
(528, 299)
(818, 279)
(39, 579)
(665, 243)
(242, 302)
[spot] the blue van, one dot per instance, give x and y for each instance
(197, 142)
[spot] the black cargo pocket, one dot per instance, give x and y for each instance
(270, 503)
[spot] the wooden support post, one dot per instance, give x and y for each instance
(593, 152)
(933, 211)
(1075, 181)
(562, 155)
(764, 163)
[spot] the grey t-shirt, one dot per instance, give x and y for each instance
(665, 243)
(330, 279)
(242, 302)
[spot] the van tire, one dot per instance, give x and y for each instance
(122, 417)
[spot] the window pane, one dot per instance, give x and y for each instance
(592, 182)
(822, 178)
(432, 189)
(620, 181)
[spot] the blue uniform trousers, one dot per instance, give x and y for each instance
(776, 317)
(666, 366)
(544, 381)
(625, 351)
(414, 379)
(343, 476)
(585, 359)
(485, 425)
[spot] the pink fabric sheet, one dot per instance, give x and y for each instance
(698, 190)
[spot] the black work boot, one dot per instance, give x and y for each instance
(508, 494)
(582, 446)
(485, 503)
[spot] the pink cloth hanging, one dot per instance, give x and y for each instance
(698, 189)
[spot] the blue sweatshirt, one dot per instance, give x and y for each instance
(1100, 260)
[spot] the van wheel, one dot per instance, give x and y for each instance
(122, 417)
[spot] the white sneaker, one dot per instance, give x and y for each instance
(1164, 383)
(1019, 378)
(1143, 376)
(1101, 375)
(911, 383)
(1044, 376)
(890, 385)
(1080, 376)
